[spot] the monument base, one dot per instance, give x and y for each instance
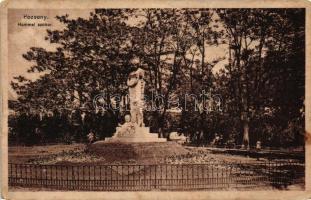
(130, 132)
(141, 152)
(135, 140)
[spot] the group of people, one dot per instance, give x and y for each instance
(61, 126)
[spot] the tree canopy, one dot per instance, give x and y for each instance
(260, 88)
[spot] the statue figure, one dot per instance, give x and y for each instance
(136, 85)
(134, 130)
(127, 129)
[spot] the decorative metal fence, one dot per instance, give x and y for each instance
(158, 177)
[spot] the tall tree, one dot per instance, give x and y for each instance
(254, 38)
(93, 57)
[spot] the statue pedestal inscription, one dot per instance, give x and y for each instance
(134, 130)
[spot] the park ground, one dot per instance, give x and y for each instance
(76, 154)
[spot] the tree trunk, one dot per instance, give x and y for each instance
(245, 134)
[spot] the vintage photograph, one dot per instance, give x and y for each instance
(156, 99)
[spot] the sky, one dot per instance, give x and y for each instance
(22, 38)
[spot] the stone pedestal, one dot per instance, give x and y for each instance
(131, 133)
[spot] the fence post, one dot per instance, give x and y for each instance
(155, 176)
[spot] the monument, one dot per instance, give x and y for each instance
(134, 130)
(133, 140)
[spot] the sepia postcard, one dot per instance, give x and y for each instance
(167, 99)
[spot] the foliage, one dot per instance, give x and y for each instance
(261, 86)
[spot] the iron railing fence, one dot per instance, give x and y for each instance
(237, 175)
